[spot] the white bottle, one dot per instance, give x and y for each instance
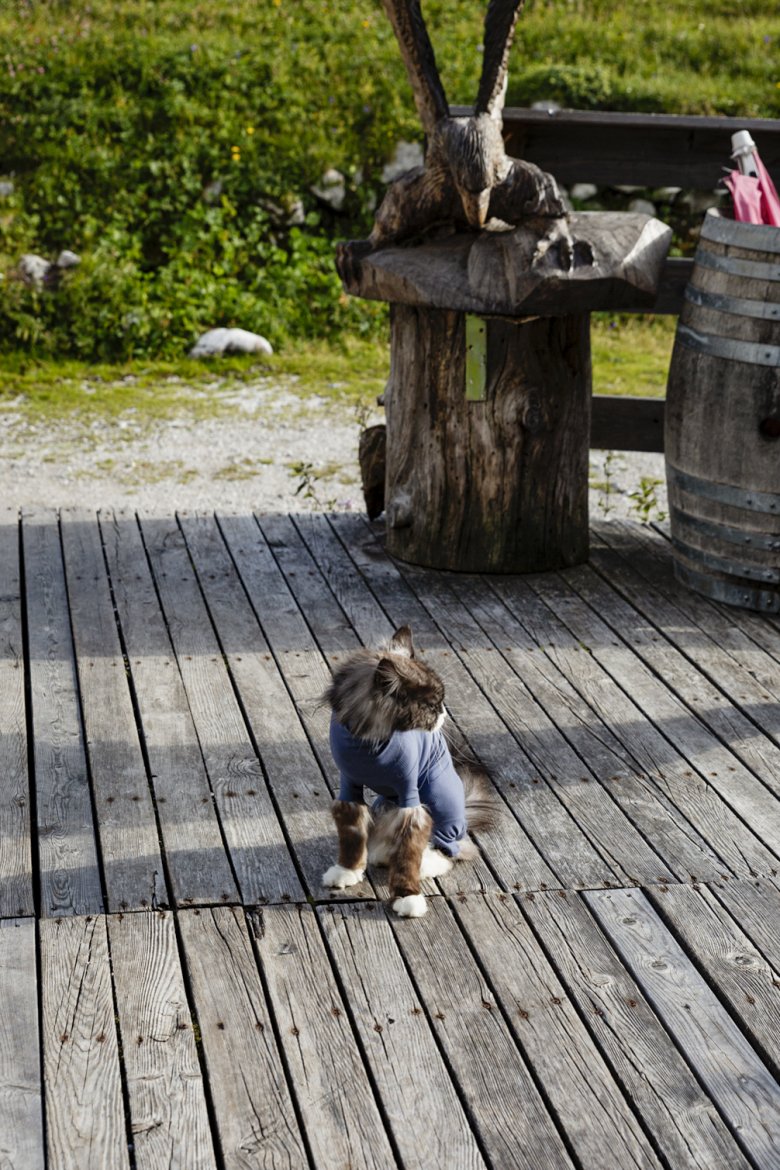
(742, 151)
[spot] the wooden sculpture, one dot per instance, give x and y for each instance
(467, 181)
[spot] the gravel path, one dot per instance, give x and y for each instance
(272, 451)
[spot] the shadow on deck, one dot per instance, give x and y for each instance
(601, 989)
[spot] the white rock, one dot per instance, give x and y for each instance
(6, 188)
(219, 341)
(34, 269)
(67, 259)
(642, 205)
(584, 191)
(407, 155)
(331, 189)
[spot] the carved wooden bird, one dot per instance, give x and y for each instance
(467, 178)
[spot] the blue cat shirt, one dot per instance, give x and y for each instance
(409, 769)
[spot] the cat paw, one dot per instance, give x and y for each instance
(434, 864)
(412, 906)
(338, 878)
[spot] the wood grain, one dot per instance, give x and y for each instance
(255, 839)
(130, 852)
(21, 1133)
(168, 1116)
(685, 1124)
(85, 1124)
(197, 864)
(397, 1042)
(255, 1120)
(16, 878)
(334, 1094)
(597, 1119)
(69, 874)
(745, 1091)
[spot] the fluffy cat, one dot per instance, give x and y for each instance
(387, 714)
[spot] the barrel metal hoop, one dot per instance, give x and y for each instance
(724, 565)
(749, 597)
(737, 306)
(714, 530)
(736, 266)
(760, 237)
(728, 347)
(724, 493)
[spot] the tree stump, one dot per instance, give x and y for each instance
(488, 401)
(492, 485)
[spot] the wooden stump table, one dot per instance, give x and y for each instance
(488, 399)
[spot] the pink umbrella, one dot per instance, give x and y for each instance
(752, 190)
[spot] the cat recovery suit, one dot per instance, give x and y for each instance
(408, 769)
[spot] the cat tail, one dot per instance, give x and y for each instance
(481, 798)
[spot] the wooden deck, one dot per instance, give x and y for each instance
(601, 990)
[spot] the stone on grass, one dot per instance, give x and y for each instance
(643, 206)
(584, 191)
(67, 259)
(407, 155)
(35, 270)
(219, 341)
(331, 189)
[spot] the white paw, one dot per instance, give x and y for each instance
(412, 906)
(434, 864)
(338, 878)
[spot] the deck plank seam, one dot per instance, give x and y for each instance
(35, 852)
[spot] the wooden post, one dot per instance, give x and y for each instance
(498, 485)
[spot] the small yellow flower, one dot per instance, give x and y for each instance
(250, 129)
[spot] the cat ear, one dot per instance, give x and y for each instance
(401, 642)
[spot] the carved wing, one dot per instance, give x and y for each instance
(417, 53)
(500, 21)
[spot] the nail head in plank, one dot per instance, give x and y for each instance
(685, 1125)
(397, 1041)
(739, 1083)
(85, 1121)
(21, 1137)
(333, 1092)
(254, 1113)
(589, 1104)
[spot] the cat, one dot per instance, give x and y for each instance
(387, 714)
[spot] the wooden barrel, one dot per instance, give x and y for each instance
(722, 438)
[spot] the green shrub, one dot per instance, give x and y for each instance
(168, 141)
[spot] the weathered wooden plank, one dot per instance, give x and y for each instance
(731, 963)
(16, 880)
(299, 789)
(617, 650)
(85, 1121)
(198, 869)
(300, 663)
(504, 1104)
(397, 1042)
(591, 1109)
(684, 1123)
(21, 1131)
(586, 717)
(129, 848)
(371, 626)
(595, 834)
(255, 839)
(707, 635)
(254, 1112)
(332, 1090)
(69, 875)
(746, 1093)
(756, 907)
(514, 856)
(628, 720)
(168, 1117)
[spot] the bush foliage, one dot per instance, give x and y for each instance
(168, 142)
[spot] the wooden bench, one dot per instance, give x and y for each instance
(642, 150)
